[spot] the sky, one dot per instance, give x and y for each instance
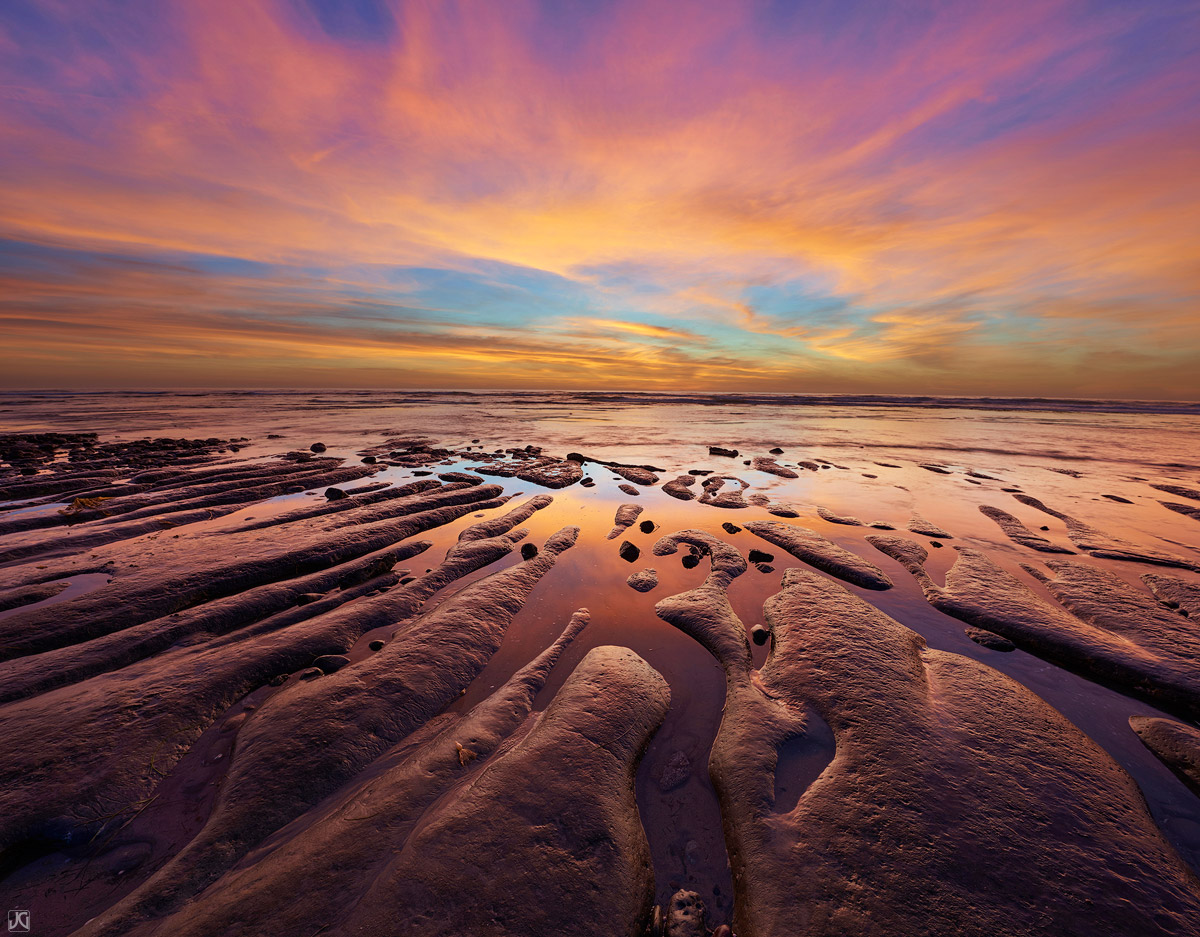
(831, 197)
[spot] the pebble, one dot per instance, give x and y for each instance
(331, 663)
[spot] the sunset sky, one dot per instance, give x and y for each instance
(899, 197)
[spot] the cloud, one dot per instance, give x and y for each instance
(829, 193)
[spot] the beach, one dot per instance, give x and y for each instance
(343, 662)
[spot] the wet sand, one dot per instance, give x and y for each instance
(246, 688)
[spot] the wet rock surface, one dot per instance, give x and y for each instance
(812, 548)
(1104, 628)
(1177, 745)
(681, 487)
(1019, 533)
(771, 467)
(1099, 544)
(859, 671)
(624, 519)
(220, 685)
(723, 491)
(919, 525)
(644, 580)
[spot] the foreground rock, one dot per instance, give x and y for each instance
(937, 758)
(770, 466)
(625, 516)
(1019, 533)
(812, 548)
(644, 580)
(718, 491)
(396, 851)
(679, 487)
(919, 525)
(1175, 593)
(1176, 745)
(311, 737)
(827, 515)
(84, 755)
(1099, 544)
(577, 828)
(1118, 635)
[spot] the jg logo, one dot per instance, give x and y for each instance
(18, 922)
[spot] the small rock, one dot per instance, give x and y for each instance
(529, 550)
(643, 580)
(369, 460)
(776, 451)
(460, 477)
(647, 527)
(317, 447)
(629, 552)
(989, 639)
(685, 915)
(730, 528)
(717, 450)
(376, 645)
(760, 635)
(690, 561)
(675, 772)
(758, 556)
(331, 663)
(334, 494)
(678, 487)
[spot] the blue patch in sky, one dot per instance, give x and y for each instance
(354, 20)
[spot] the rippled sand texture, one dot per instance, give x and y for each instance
(417, 664)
